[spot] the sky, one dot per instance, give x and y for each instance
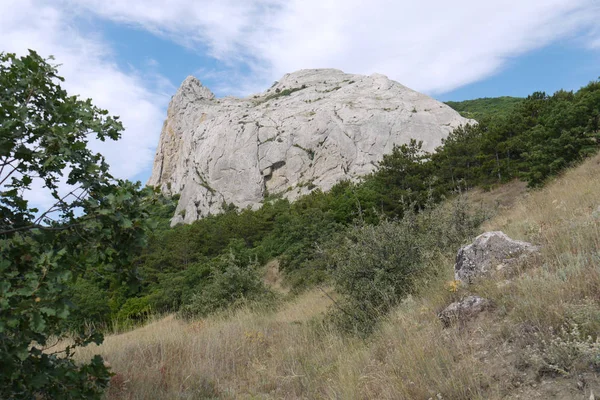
(130, 56)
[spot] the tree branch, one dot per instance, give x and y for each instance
(41, 227)
(9, 174)
(335, 303)
(60, 201)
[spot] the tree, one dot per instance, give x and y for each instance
(95, 226)
(404, 177)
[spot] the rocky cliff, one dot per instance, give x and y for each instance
(310, 130)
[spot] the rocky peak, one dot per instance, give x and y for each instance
(311, 129)
(192, 90)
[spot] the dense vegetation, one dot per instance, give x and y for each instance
(541, 136)
(486, 107)
(92, 231)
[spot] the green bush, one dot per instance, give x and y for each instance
(175, 289)
(90, 305)
(134, 309)
(374, 267)
(233, 281)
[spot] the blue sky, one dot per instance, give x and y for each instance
(130, 56)
(566, 65)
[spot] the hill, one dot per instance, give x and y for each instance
(486, 107)
(204, 267)
(378, 250)
(380, 243)
(309, 131)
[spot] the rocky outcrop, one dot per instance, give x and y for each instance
(310, 130)
(463, 310)
(490, 251)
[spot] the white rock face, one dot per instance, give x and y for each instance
(310, 130)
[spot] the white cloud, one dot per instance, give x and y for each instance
(432, 46)
(90, 71)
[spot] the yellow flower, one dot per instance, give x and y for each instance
(453, 285)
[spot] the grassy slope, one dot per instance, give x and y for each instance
(508, 352)
(485, 107)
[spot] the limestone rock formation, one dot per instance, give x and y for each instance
(490, 251)
(310, 130)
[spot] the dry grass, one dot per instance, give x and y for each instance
(290, 353)
(500, 198)
(564, 218)
(273, 278)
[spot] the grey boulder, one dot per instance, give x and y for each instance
(490, 251)
(463, 310)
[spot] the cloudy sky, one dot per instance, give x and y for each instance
(129, 56)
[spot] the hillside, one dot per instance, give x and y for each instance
(487, 107)
(533, 344)
(213, 264)
(346, 285)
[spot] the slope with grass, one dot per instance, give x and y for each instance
(539, 341)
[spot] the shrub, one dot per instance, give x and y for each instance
(175, 289)
(134, 309)
(90, 305)
(563, 351)
(233, 281)
(375, 267)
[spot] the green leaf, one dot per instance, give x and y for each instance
(22, 353)
(38, 323)
(48, 311)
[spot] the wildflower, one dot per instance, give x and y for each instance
(453, 286)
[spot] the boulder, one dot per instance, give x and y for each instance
(463, 310)
(490, 251)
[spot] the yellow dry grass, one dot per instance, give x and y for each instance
(291, 354)
(564, 218)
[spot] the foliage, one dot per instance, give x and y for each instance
(540, 137)
(486, 107)
(90, 305)
(376, 266)
(135, 308)
(95, 228)
(405, 177)
(233, 281)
